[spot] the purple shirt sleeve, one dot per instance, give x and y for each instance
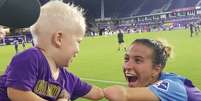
(81, 88)
(22, 72)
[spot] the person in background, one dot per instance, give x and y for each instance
(40, 73)
(120, 37)
(15, 43)
(23, 44)
(191, 26)
(3, 31)
(143, 67)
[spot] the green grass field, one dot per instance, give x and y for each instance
(99, 59)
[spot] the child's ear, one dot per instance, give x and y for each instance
(57, 39)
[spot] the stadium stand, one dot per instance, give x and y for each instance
(175, 4)
(127, 8)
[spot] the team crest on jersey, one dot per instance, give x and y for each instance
(162, 85)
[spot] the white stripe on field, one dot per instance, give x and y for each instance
(104, 81)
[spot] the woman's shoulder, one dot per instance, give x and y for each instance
(172, 77)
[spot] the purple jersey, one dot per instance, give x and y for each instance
(30, 71)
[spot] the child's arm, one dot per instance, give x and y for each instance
(19, 95)
(95, 93)
(120, 93)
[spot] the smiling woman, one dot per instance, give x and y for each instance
(143, 67)
(144, 61)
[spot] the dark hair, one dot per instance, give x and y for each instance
(160, 51)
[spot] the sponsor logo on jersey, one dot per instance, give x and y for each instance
(162, 85)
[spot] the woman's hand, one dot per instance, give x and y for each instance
(115, 93)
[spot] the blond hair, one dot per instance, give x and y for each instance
(58, 16)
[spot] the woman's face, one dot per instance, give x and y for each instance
(138, 67)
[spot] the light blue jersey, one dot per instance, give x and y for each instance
(172, 87)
